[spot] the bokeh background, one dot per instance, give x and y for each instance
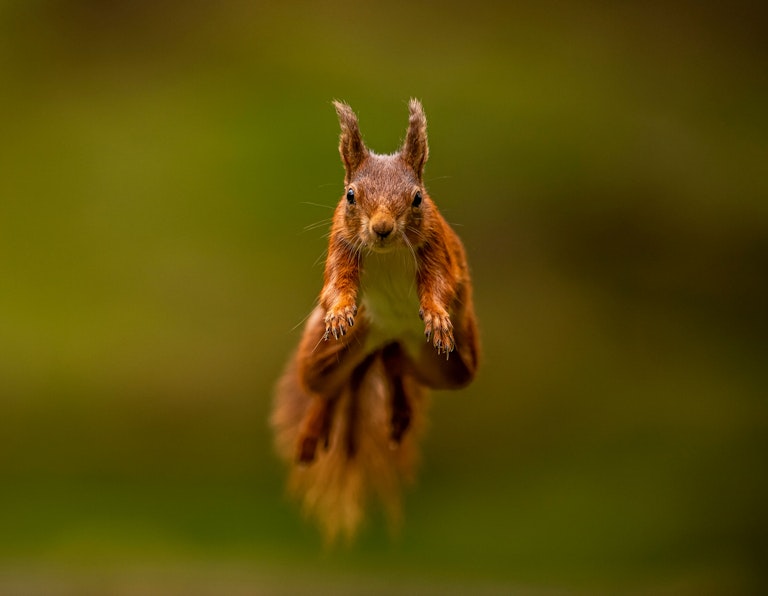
(161, 168)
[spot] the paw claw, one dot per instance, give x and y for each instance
(439, 330)
(337, 319)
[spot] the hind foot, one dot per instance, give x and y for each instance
(316, 428)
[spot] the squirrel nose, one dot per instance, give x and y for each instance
(383, 227)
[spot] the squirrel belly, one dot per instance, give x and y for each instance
(390, 300)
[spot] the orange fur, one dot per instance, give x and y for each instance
(351, 404)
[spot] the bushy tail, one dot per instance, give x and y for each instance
(360, 461)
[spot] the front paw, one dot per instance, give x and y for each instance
(438, 329)
(338, 318)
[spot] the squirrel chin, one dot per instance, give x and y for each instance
(383, 246)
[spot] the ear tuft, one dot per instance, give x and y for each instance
(351, 146)
(415, 150)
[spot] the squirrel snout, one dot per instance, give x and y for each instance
(382, 226)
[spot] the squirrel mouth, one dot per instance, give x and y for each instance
(382, 245)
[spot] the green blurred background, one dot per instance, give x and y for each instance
(605, 164)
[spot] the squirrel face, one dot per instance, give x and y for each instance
(385, 205)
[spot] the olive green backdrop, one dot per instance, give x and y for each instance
(162, 166)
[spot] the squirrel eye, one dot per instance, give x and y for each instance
(351, 196)
(417, 199)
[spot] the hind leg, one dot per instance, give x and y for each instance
(315, 427)
(324, 367)
(401, 412)
(355, 383)
(400, 421)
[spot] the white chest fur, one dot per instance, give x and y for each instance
(388, 287)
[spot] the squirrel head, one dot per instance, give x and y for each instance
(385, 205)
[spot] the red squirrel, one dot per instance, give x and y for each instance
(351, 404)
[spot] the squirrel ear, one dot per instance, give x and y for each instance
(351, 146)
(415, 149)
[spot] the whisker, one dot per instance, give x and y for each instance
(416, 232)
(304, 320)
(317, 224)
(413, 252)
(431, 178)
(321, 258)
(322, 338)
(358, 251)
(318, 205)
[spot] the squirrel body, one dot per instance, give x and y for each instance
(351, 405)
